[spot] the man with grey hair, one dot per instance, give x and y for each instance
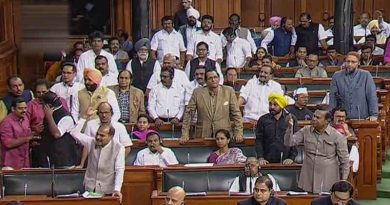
(175, 196)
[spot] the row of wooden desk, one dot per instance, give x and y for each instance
(44, 200)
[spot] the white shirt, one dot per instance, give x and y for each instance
(111, 100)
(201, 63)
(146, 157)
(321, 32)
(235, 187)
(109, 80)
(354, 156)
(248, 38)
(157, 67)
(329, 33)
(190, 31)
(376, 51)
(189, 89)
(66, 124)
(256, 95)
(86, 141)
(237, 52)
(166, 102)
(164, 43)
(270, 37)
(87, 60)
(180, 78)
(120, 135)
(212, 40)
(67, 92)
(358, 30)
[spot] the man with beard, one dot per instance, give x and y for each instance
(155, 153)
(56, 143)
(107, 177)
(87, 59)
(193, 25)
(282, 39)
(254, 95)
(89, 98)
(108, 79)
(130, 99)
(142, 67)
(270, 131)
(208, 36)
(104, 112)
(202, 50)
(167, 40)
(325, 150)
(309, 34)
(120, 56)
(217, 108)
(15, 135)
(181, 15)
(299, 109)
(166, 99)
(355, 90)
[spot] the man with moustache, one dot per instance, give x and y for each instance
(241, 32)
(325, 150)
(142, 67)
(254, 95)
(166, 99)
(282, 39)
(15, 135)
(155, 153)
(270, 131)
(217, 108)
(309, 34)
(199, 81)
(354, 89)
(180, 18)
(361, 30)
(208, 36)
(120, 56)
(107, 177)
(299, 109)
(108, 79)
(193, 25)
(89, 98)
(16, 89)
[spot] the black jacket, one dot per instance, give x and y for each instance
(272, 201)
(327, 201)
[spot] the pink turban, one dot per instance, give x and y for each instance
(275, 20)
(93, 74)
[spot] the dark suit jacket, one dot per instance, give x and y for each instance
(271, 201)
(327, 201)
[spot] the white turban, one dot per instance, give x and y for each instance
(300, 91)
(193, 12)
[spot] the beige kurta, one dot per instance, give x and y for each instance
(325, 154)
(213, 113)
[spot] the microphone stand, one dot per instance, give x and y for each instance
(53, 191)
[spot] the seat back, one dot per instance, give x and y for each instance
(287, 179)
(36, 183)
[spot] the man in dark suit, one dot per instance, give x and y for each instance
(263, 194)
(341, 193)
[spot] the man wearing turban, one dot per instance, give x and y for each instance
(87, 100)
(270, 131)
(193, 25)
(142, 67)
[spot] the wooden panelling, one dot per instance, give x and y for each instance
(122, 14)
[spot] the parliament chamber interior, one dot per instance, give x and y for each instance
(151, 102)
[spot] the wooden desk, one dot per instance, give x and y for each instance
(43, 200)
(225, 199)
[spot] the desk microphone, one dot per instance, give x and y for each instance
(25, 190)
(188, 158)
(173, 131)
(131, 132)
(168, 115)
(53, 188)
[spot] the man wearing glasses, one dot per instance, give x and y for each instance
(354, 89)
(341, 194)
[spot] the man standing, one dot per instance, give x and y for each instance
(326, 153)
(270, 131)
(241, 32)
(312, 70)
(208, 36)
(181, 15)
(107, 177)
(166, 99)
(189, 29)
(216, 106)
(361, 30)
(309, 34)
(175, 196)
(16, 90)
(238, 50)
(120, 56)
(87, 59)
(15, 135)
(299, 109)
(92, 95)
(199, 81)
(254, 95)
(142, 67)
(130, 99)
(355, 90)
(108, 79)
(282, 39)
(167, 40)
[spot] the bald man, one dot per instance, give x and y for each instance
(175, 196)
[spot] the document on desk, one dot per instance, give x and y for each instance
(239, 193)
(92, 195)
(294, 193)
(73, 195)
(199, 165)
(196, 194)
